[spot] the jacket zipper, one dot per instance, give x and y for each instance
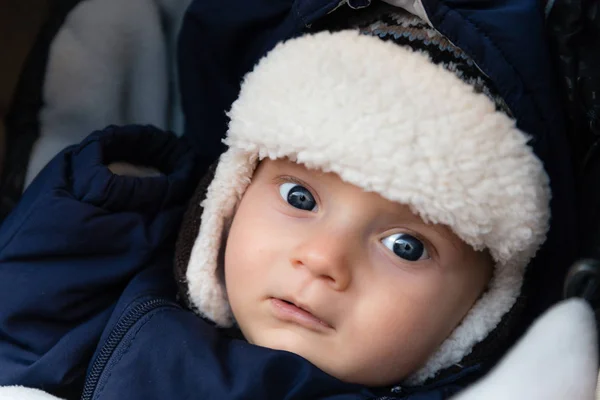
(114, 339)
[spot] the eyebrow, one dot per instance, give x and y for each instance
(289, 178)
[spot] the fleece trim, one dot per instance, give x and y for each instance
(385, 119)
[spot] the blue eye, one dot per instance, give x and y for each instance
(406, 247)
(298, 196)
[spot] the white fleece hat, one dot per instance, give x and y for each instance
(386, 119)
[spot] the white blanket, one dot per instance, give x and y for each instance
(112, 62)
(556, 360)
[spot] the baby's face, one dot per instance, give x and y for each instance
(355, 283)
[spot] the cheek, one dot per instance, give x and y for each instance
(410, 315)
(245, 266)
(390, 335)
(243, 248)
(254, 246)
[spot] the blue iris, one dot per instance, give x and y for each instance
(298, 196)
(406, 246)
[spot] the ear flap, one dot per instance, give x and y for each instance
(557, 359)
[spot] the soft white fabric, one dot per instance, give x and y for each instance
(387, 120)
(556, 360)
(112, 62)
(415, 7)
(22, 393)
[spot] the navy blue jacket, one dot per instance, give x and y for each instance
(87, 291)
(87, 297)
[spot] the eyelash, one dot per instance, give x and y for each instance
(290, 179)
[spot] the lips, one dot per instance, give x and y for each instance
(301, 315)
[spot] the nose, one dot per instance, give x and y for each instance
(327, 256)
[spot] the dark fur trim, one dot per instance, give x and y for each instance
(188, 233)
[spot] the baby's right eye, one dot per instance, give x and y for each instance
(298, 196)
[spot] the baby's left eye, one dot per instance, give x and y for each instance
(406, 247)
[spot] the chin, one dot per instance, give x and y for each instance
(286, 341)
(322, 360)
(294, 342)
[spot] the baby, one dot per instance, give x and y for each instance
(365, 235)
(372, 214)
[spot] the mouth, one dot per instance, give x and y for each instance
(289, 311)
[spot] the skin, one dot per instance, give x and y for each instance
(370, 316)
